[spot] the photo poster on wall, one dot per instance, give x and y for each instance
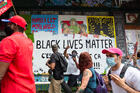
(132, 41)
(132, 18)
(74, 37)
(71, 24)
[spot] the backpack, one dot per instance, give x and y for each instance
(63, 62)
(101, 87)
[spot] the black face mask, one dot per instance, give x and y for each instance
(73, 54)
(138, 54)
(8, 31)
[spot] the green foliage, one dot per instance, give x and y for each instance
(28, 29)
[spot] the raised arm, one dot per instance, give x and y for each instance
(65, 52)
(134, 57)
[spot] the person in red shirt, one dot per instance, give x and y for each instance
(16, 74)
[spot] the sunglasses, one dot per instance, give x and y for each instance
(9, 23)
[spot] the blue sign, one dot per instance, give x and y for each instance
(47, 23)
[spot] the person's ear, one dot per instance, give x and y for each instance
(15, 27)
(120, 57)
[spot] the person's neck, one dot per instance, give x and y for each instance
(117, 66)
(55, 51)
(16, 31)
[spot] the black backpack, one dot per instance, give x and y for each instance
(63, 62)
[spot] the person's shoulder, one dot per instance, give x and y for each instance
(133, 69)
(55, 55)
(59, 53)
(88, 70)
(29, 39)
(11, 37)
(132, 72)
(8, 38)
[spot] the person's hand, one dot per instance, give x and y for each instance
(74, 59)
(105, 78)
(119, 81)
(134, 57)
(67, 47)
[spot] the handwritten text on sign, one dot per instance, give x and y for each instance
(47, 23)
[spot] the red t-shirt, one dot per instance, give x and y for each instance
(17, 50)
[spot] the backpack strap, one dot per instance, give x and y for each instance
(59, 57)
(62, 62)
(123, 70)
(109, 77)
(125, 67)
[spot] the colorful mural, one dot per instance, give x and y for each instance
(73, 25)
(70, 31)
(101, 25)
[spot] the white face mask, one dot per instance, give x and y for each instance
(110, 61)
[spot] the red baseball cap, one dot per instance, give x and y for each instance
(17, 20)
(113, 50)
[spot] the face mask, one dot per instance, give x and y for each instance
(74, 55)
(110, 61)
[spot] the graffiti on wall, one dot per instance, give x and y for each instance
(89, 3)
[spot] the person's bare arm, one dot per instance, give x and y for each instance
(65, 52)
(121, 82)
(3, 68)
(51, 66)
(85, 79)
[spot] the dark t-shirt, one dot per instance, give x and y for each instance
(57, 72)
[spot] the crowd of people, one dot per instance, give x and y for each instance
(127, 84)
(16, 75)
